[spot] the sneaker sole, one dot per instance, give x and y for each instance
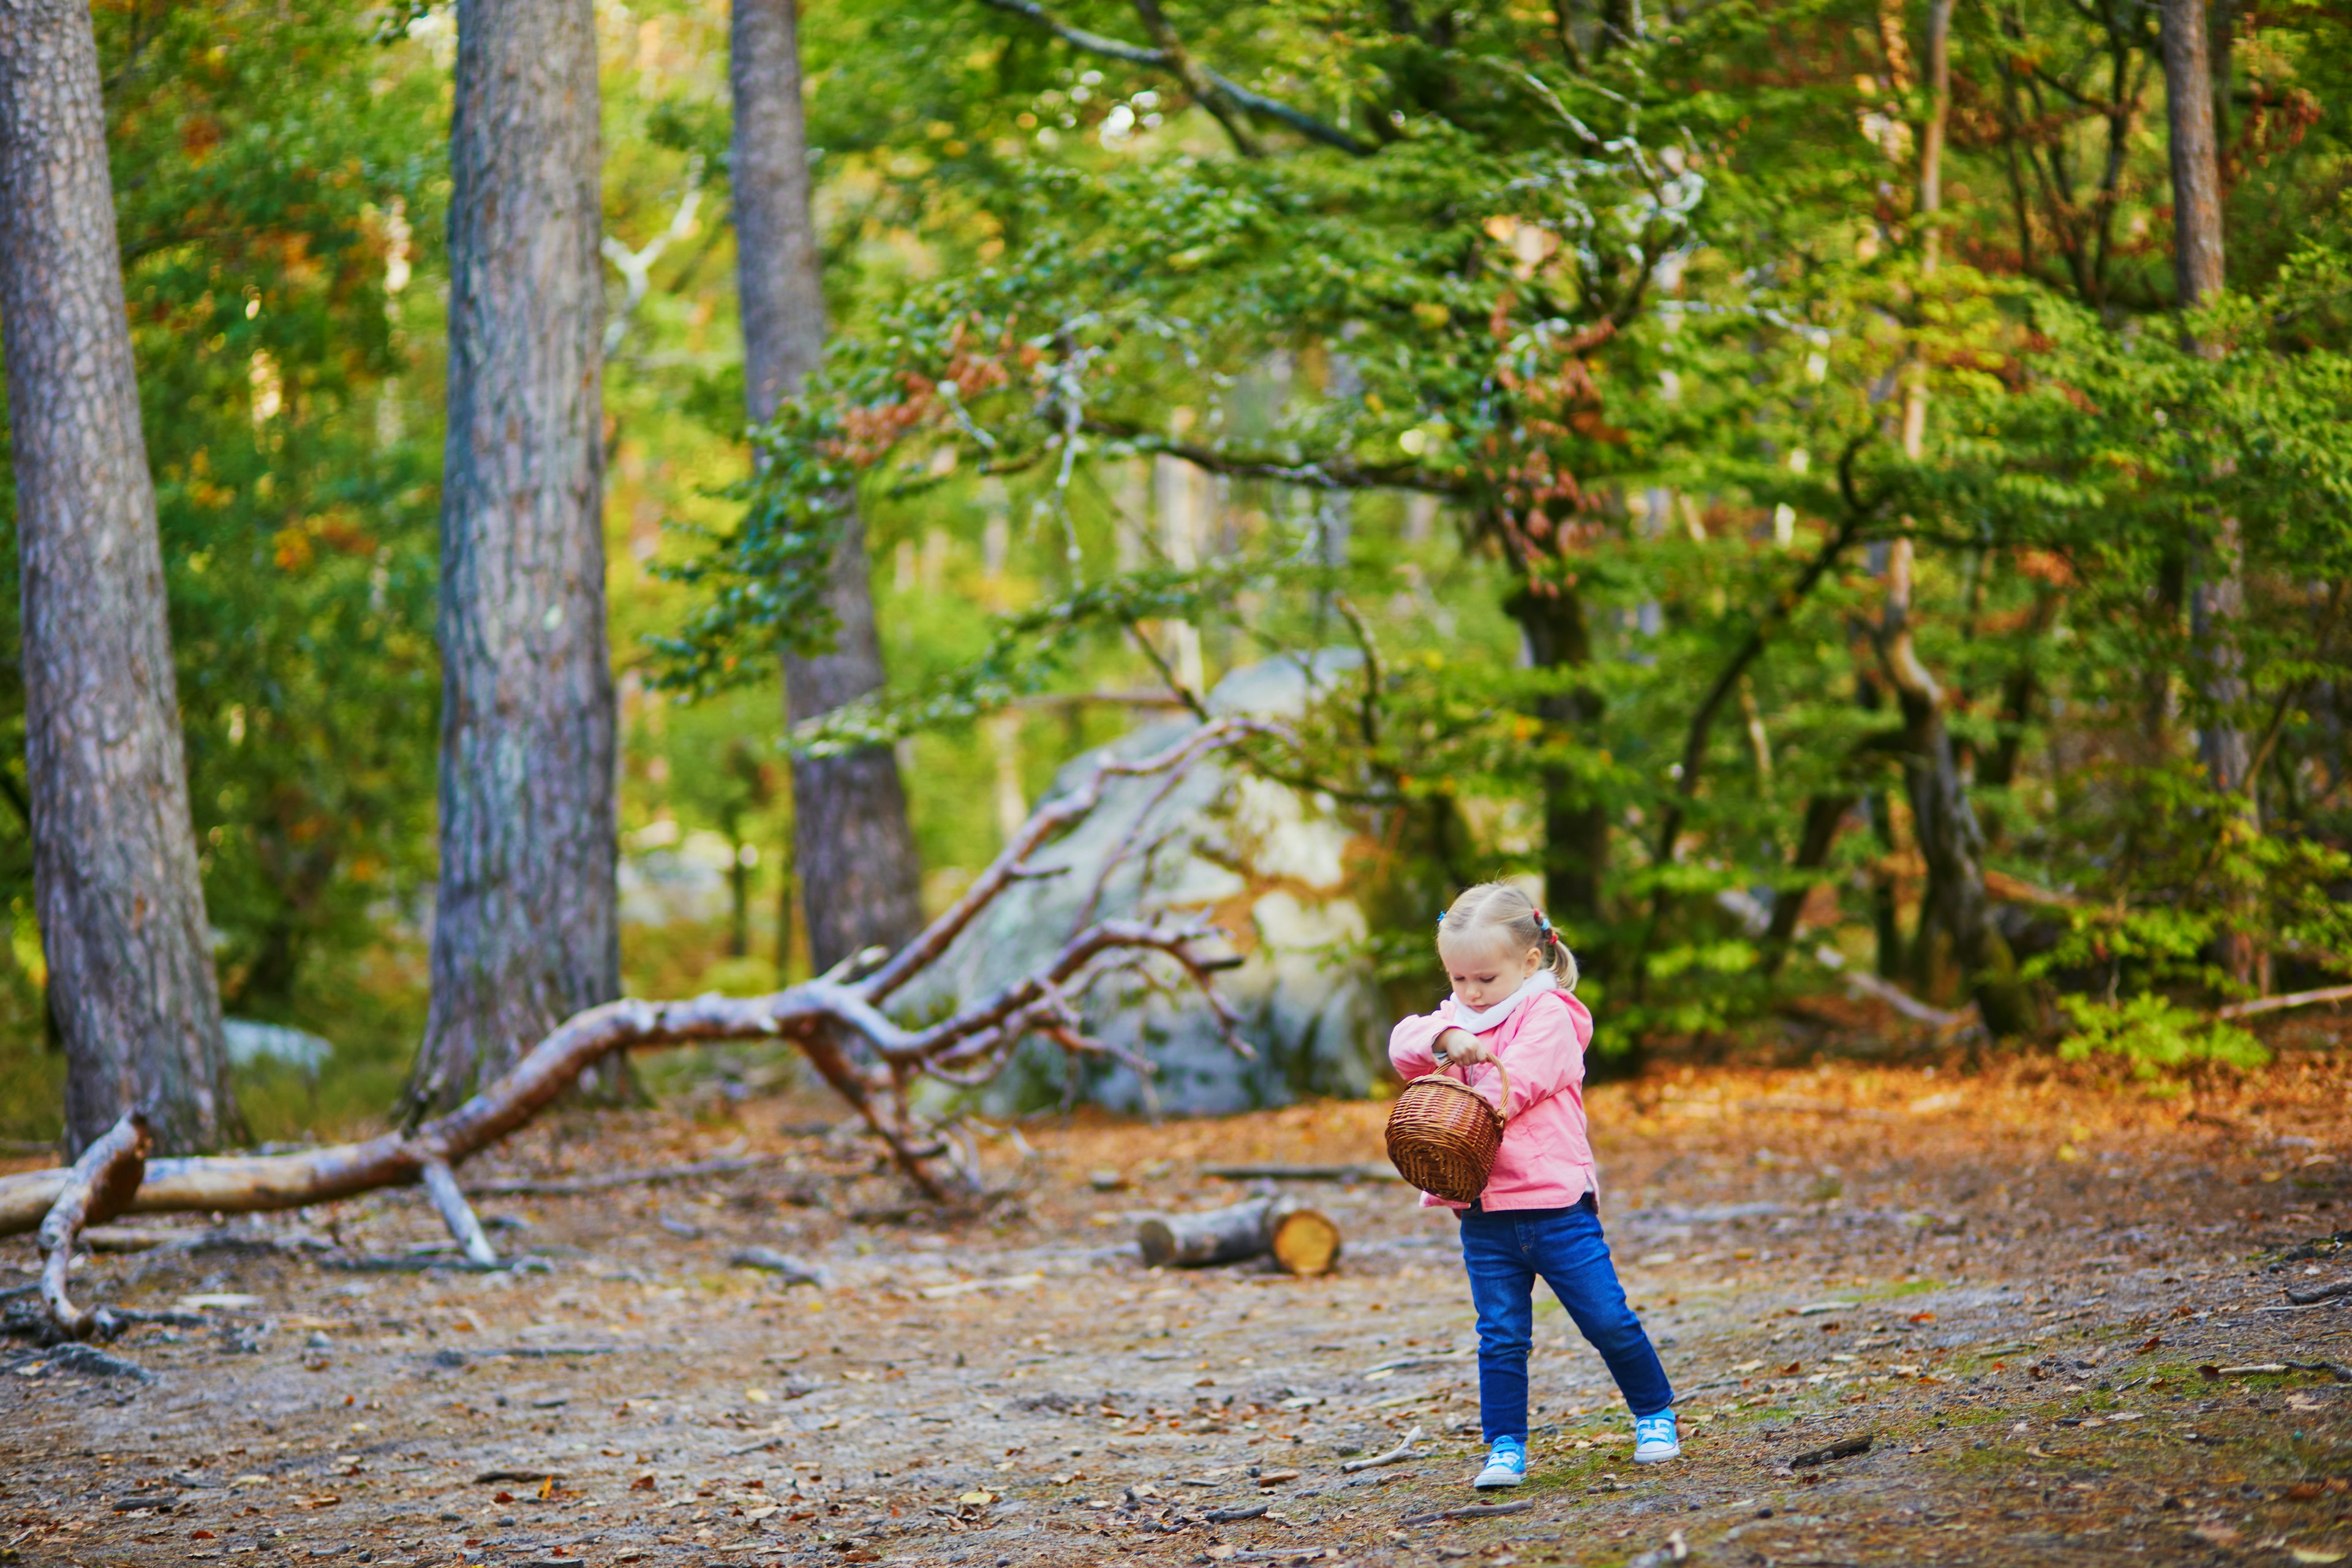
(1484, 1485)
(1656, 1458)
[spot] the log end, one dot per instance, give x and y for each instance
(1305, 1243)
(1157, 1241)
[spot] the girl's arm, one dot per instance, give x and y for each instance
(1413, 1045)
(1547, 1058)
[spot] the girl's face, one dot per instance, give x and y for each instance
(1484, 970)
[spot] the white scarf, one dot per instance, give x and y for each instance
(1533, 986)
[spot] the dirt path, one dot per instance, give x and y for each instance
(2009, 1286)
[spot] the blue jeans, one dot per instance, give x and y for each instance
(1504, 1252)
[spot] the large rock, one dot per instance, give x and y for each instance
(1271, 865)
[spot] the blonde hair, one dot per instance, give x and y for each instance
(1510, 914)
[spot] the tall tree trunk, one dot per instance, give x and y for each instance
(1576, 825)
(1824, 813)
(2196, 159)
(527, 932)
(854, 851)
(1950, 841)
(115, 881)
(2218, 598)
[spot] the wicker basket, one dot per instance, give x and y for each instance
(1443, 1136)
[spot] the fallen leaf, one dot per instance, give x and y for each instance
(503, 1497)
(1792, 1368)
(546, 1489)
(978, 1499)
(2314, 1554)
(1922, 1317)
(641, 1484)
(756, 1396)
(2218, 1534)
(2150, 1344)
(1275, 1478)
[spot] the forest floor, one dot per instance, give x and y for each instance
(2055, 1306)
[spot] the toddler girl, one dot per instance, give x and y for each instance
(1540, 1215)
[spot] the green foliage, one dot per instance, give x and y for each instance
(2154, 1035)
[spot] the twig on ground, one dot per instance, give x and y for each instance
(792, 1270)
(1405, 1450)
(1846, 1449)
(1476, 1510)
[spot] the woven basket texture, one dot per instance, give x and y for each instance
(1443, 1137)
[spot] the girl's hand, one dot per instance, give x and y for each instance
(1464, 1048)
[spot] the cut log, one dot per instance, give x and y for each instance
(1304, 1241)
(100, 1185)
(1301, 1241)
(1360, 1173)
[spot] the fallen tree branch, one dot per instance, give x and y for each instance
(2279, 1004)
(821, 1017)
(1894, 996)
(97, 1188)
(441, 1185)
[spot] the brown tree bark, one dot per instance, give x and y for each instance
(527, 930)
(2196, 159)
(852, 846)
(1950, 841)
(2217, 600)
(1576, 826)
(131, 986)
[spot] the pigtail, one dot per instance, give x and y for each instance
(1563, 962)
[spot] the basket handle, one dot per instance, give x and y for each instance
(1501, 1120)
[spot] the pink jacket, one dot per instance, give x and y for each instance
(1546, 1160)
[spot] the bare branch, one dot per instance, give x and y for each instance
(97, 1188)
(1048, 822)
(818, 1017)
(1336, 475)
(1215, 90)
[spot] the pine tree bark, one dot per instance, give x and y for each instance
(852, 849)
(527, 930)
(2217, 600)
(1576, 825)
(115, 879)
(1950, 840)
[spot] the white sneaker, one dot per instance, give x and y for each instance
(1656, 1439)
(1506, 1465)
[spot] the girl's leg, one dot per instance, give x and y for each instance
(1571, 1255)
(1502, 1288)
